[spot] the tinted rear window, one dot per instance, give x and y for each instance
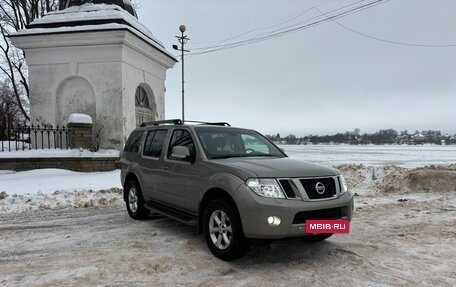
(134, 142)
(154, 143)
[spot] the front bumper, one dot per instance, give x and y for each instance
(255, 210)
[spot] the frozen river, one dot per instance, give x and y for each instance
(402, 155)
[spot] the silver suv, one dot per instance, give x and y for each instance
(233, 184)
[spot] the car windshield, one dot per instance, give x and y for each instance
(221, 143)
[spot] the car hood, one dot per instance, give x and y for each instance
(278, 167)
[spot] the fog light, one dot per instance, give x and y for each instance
(274, 221)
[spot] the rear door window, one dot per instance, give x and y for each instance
(154, 143)
(134, 142)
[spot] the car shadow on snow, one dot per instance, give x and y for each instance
(264, 253)
(297, 250)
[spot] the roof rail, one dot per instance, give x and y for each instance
(225, 124)
(156, 123)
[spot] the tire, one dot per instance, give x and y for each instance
(317, 238)
(135, 201)
(221, 222)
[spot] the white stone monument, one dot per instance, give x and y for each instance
(95, 59)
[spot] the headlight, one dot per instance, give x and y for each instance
(343, 184)
(265, 187)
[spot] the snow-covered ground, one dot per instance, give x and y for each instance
(402, 155)
(407, 243)
(47, 181)
(63, 228)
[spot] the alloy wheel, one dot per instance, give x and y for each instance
(133, 199)
(220, 229)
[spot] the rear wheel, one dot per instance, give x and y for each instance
(223, 231)
(135, 201)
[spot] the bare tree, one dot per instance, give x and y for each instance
(16, 15)
(10, 114)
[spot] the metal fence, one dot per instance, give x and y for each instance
(21, 137)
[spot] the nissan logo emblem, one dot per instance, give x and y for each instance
(320, 188)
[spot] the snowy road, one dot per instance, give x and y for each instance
(409, 243)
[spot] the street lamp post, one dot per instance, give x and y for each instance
(183, 39)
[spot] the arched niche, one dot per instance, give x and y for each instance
(145, 105)
(75, 95)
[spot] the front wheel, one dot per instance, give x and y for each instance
(223, 231)
(135, 201)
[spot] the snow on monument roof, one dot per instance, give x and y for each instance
(90, 17)
(79, 119)
(125, 4)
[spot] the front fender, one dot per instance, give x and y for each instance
(222, 180)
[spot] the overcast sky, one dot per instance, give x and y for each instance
(317, 81)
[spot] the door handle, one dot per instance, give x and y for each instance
(165, 167)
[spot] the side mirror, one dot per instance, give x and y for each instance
(180, 152)
(282, 150)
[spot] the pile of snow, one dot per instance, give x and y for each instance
(79, 119)
(59, 200)
(430, 179)
(56, 188)
(399, 180)
(90, 12)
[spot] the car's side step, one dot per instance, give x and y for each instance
(173, 213)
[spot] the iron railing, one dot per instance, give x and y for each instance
(17, 137)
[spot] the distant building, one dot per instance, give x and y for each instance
(405, 139)
(419, 138)
(95, 59)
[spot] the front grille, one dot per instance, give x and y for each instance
(310, 185)
(331, 213)
(287, 188)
